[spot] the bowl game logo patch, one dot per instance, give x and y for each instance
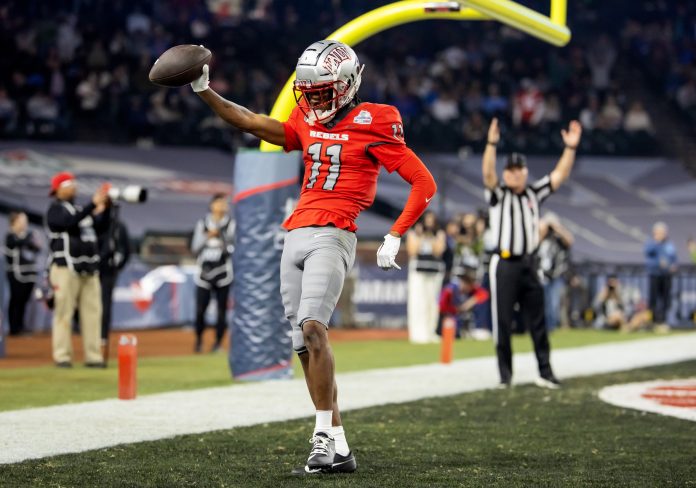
(676, 398)
(364, 118)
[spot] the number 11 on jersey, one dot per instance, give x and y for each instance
(333, 153)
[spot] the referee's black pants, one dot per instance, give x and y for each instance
(517, 281)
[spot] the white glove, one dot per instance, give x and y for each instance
(201, 84)
(386, 254)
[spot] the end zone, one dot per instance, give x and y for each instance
(676, 398)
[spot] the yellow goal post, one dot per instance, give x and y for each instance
(551, 29)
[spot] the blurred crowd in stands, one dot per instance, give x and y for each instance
(663, 41)
(78, 70)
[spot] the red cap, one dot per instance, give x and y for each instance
(60, 178)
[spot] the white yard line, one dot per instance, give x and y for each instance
(40, 432)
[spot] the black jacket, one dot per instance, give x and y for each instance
(20, 255)
(73, 236)
(114, 244)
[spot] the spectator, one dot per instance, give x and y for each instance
(42, 111)
(553, 111)
(461, 299)
(661, 263)
(445, 108)
(528, 106)
(68, 39)
(21, 248)
(601, 57)
(618, 308)
(8, 113)
(213, 244)
(494, 103)
(89, 92)
(611, 115)
(686, 95)
(577, 301)
(473, 100)
(114, 252)
(474, 129)
(589, 116)
(637, 119)
(425, 244)
(452, 233)
(691, 246)
(74, 269)
(554, 261)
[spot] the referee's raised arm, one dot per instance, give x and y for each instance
(490, 177)
(571, 139)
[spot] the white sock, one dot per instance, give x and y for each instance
(323, 423)
(339, 436)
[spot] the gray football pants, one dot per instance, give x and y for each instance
(312, 269)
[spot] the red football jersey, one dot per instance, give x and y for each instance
(342, 163)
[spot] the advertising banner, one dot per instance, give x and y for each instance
(265, 189)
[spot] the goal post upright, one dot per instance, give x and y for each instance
(551, 29)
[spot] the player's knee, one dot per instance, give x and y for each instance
(315, 335)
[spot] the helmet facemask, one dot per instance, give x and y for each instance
(328, 78)
(320, 101)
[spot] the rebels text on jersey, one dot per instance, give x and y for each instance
(342, 163)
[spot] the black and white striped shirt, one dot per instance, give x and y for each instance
(514, 218)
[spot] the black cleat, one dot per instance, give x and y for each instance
(323, 452)
(344, 464)
(341, 464)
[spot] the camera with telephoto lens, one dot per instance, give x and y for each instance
(128, 194)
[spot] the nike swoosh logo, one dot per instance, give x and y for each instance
(427, 200)
(322, 235)
(342, 462)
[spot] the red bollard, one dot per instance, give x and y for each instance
(127, 366)
(449, 327)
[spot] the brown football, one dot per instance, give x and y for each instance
(180, 65)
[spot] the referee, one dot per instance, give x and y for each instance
(514, 222)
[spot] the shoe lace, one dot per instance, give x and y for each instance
(321, 445)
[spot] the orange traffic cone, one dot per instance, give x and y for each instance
(127, 365)
(449, 328)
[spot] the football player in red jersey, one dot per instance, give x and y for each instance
(344, 142)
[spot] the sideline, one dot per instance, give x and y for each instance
(47, 431)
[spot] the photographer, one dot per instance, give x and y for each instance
(114, 252)
(554, 261)
(74, 269)
(425, 244)
(213, 244)
(618, 308)
(21, 248)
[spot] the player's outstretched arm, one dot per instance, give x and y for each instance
(423, 189)
(262, 126)
(490, 177)
(571, 139)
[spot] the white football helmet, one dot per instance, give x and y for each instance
(328, 76)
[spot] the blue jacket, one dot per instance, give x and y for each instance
(659, 257)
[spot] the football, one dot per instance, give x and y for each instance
(180, 65)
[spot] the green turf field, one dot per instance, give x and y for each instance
(43, 386)
(519, 437)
